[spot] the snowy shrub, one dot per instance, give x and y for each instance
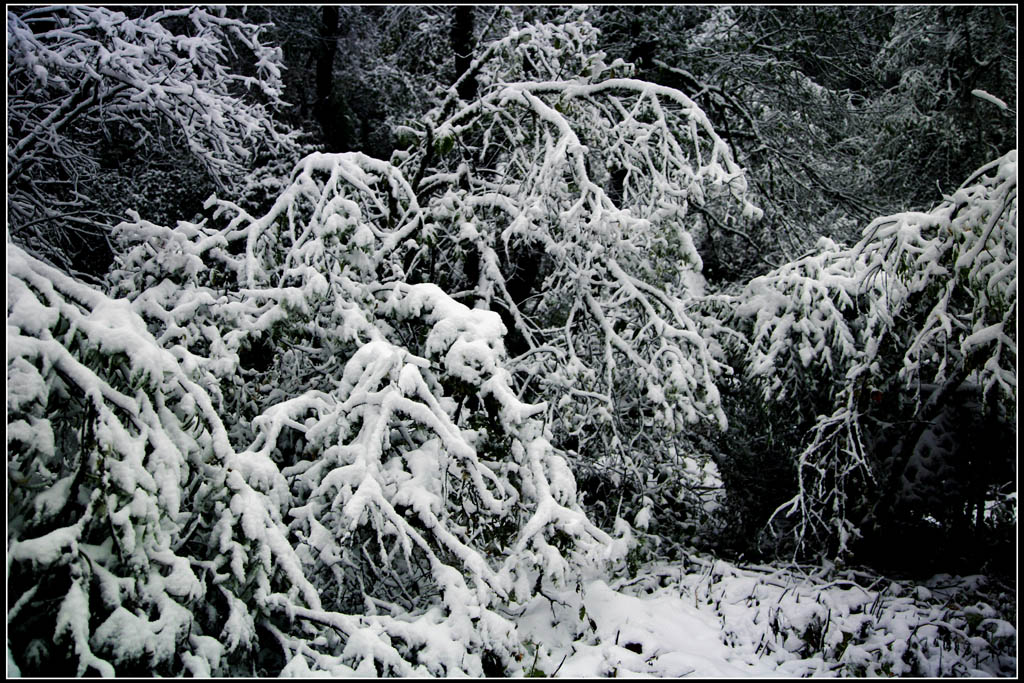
(380, 501)
(135, 542)
(560, 199)
(885, 333)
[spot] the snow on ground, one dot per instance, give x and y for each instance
(659, 635)
(709, 618)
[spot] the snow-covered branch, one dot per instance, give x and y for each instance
(415, 479)
(82, 78)
(565, 190)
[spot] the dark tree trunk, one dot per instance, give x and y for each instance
(329, 117)
(463, 44)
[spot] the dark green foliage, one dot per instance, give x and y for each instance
(755, 459)
(838, 113)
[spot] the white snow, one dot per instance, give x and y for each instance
(707, 618)
(988, 97)
(675, 639)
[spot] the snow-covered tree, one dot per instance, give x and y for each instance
(280, 446)
(839, 114)
(373, 66)
(561, 198)
(790, 90)
(884, 334)
(89, 88)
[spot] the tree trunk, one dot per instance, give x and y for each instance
(329, 119)
(463, 44)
